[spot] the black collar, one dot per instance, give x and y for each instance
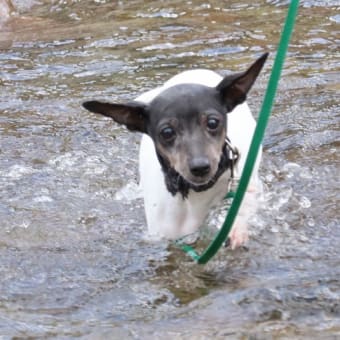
(176, 183)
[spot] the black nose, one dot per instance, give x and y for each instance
(199, 166)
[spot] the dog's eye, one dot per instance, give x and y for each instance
(168, 134)
(212, 123)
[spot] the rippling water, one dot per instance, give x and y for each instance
(74, 257)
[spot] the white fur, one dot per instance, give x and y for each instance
(172, 216)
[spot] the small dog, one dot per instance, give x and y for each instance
(185, 160)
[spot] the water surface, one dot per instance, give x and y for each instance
(75, 260)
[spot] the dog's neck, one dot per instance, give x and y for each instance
(175, 183)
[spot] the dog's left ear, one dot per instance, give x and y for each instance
(133, 115)
(234, 88)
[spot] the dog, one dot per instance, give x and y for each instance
(185, 159)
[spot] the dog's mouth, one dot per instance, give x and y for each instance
(196, 181)
(202, 183)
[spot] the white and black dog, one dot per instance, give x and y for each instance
(184, 161)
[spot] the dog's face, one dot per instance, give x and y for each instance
(188, 126)
(187, 122)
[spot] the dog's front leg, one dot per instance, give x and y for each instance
(239, 233)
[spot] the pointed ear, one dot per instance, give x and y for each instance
(133, 115)
(234, 88)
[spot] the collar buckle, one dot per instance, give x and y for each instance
(233, 155)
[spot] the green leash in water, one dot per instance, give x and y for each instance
(263, 118)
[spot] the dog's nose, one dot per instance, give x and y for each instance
(199, 166)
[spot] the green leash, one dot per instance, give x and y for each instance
(263, 118)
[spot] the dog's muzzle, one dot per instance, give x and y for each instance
(176, 183)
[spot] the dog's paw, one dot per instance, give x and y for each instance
(239, 235)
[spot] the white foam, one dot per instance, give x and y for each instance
(129, 192)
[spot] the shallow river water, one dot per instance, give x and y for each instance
(75, 260)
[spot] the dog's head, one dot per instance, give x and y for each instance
(187, 122)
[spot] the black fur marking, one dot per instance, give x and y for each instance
(176, 183)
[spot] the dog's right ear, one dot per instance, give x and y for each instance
(133, 115)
